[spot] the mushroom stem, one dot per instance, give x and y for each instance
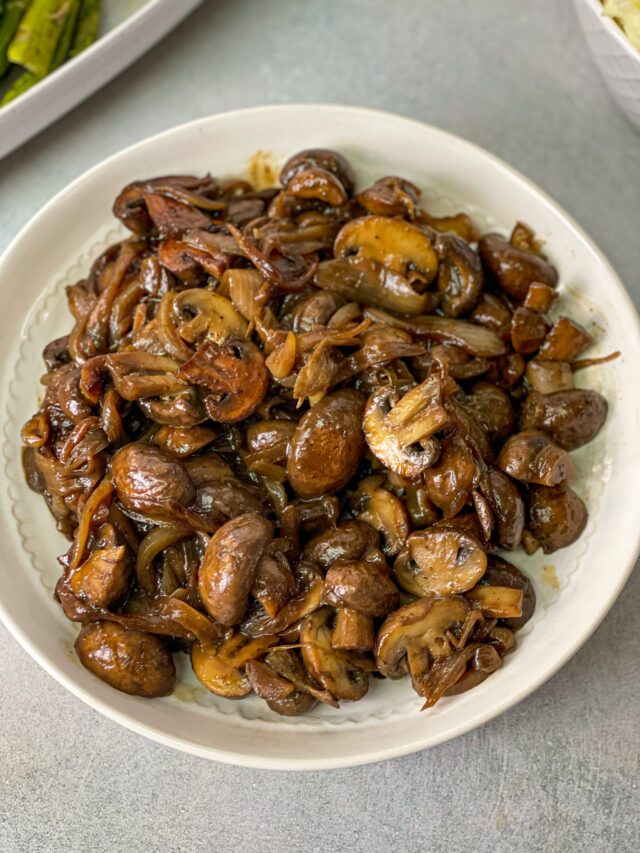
(353, 631)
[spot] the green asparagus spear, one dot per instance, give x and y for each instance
(29, 79)
(13, 12)
(87, 27)
(34, 45)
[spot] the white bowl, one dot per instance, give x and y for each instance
(615, 56)
(574, 594)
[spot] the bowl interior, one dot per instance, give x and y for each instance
(575, 586)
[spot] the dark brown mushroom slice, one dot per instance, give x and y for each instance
(103, 578)
(274, 584)
(360, 586)
(417, 634)
(395, 426)
(449, 481)
(497, 602)
(502, 573)
(335, 671)
(228, 569)
(227, 498)
(513, 269)
(390, 196)
(149, 481)
(528, 330)
(348, 541)
(492, 312)
(288, 664)
(506, 371)
(565, 341)
(318, 158)
(183, 409)
(131, 661)
(532, 457)
(315, 310)
(279, 693)
(318, 185)
(556, 516)
(56, 353)
(183, 441)
(507, 506)
(466, 668)
(221, 667)
(459, 275)
(270, 439)
(547, 377)
(236, 374)
(571, 418)
(387, 514)
(130, 205)
(440, 561)
(188, 263)
(327, 445)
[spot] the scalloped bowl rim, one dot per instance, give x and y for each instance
(251, 755)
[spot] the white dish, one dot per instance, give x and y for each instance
(615, 56)
(56, 248)
(127, 30)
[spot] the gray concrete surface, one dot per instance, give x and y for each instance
(557, 773)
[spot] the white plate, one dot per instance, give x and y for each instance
(56, 247)
(128, 28)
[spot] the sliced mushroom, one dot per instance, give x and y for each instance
(236, 374)
(459, 275)
(183, 442)
(507, 507)
(279, 693)
(390, 196)
(319, 185)
(440, 561)
(393, 243)
(307, 600)
(571, 418)
(556, 516)
(449, 481)
(131, 661)
(514, 269)
(392, 426)
(318, 158)
(103, 578)
(274, 584)
(417, 634)
(287, 663)
(201, 314)
(222, 667)
(532, 457)
(502, 573)
(314, 310)
(327, 445)
(228, 568)
(449, 676)
(386, 513)
(333, 670)
(499, 602)
(492, 312)
(362, 280)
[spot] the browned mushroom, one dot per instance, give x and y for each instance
(348, 541)
(440, 561)
(507, 507)
(336, 671)
(318, 158)
(492, 407)
(416, 635)
(318, 184)
(228, 568)
(449, 480)
(527, 330)
(278, 692)
(390, 196)
(149, 481)
(556, 516)
(532, 457)
(572, 418)
(547, 377)
(222, 667)
(131, 661)
(327, 445)
(386, 513)
(236, 374)
(500, 602)
(565, 341)
(514, 269)
(501, 573)
(360, 586)
(459, 275)
(103, 578)
(392, 426)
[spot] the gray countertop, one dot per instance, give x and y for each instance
(560, 771)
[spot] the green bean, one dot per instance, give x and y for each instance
(34, 44)
(11, 17)
(87, 27)
(29, 79)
